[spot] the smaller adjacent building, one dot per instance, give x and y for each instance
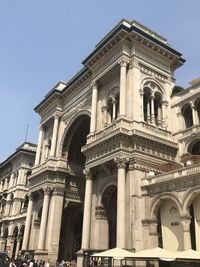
(14, 172)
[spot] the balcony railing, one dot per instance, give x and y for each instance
(185, 171)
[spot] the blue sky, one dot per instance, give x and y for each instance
(44, 41)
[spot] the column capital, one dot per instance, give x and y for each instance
(58, 191)
(180, 114)
(123, 62)
(30, 195)
(104, 108)
(121, 162)
(19, 238)
(94, 84)
(100, 213)
(193, 106)
(133, 64)
(47, 191)
(88, 174)
(57, 115)
(186, 223)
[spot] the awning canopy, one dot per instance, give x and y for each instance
(155, 253)
(116, 253)
(188, 255)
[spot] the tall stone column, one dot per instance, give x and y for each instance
(94, 108)
(163, 112)
(54, 222)
(28, 223)
(19, 238)
(186, 233)
(122, 97)
(87, 211)
(153, 233)
(114, 109)
(121, 165)
(39, 146)
(55, 135)
(180, 121)
(104, 111)
(152, 110)
(43, 223)
(194, 115)
(148, 111)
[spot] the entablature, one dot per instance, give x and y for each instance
(129, 136)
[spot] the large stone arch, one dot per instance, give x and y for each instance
(189, 197)
(103, 189)
(158, 201)
(167, 211)
(68, 127)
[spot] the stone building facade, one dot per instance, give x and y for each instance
(117, 160)
(14, 197)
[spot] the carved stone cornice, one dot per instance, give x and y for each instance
(58, 191)
(143, 165)
(100, 213)
(121, 162)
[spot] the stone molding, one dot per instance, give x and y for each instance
(152, 60)
(58, 191)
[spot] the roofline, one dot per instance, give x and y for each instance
(68, 84)
(130, 29)
(120, 26)
(19, 150)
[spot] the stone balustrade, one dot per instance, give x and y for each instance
(184, 172)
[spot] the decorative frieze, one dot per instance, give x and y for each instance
(58, 191)
(151, 72)
(152, 60)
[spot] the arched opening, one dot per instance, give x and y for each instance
(194, 210)
(75, 139)
(71, 232)
(187, 114)
(5, 236)
(192, 227)
(195, 150)
(109, 202)
(169, 227)
(14, 235)
(71, 226)
(21, 236)
(159, 230)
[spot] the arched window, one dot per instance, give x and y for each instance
(153, 104)
(187, 114)
(147, 104)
